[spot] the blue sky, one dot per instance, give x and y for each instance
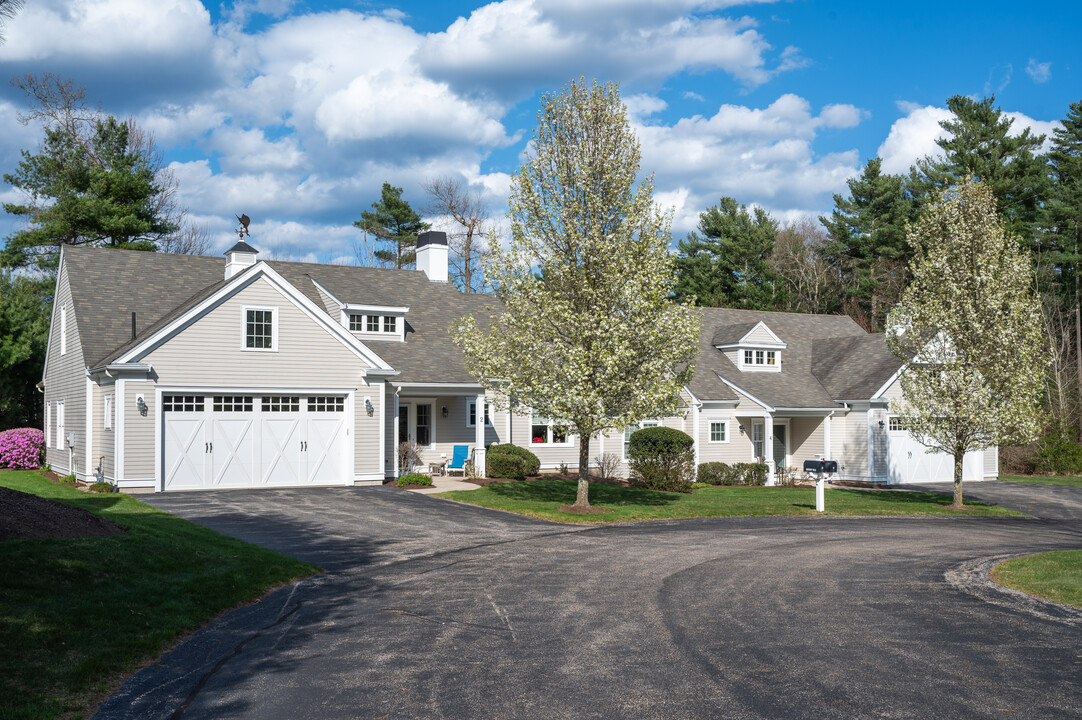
(297, 112)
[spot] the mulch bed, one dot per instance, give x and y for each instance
(23, 515)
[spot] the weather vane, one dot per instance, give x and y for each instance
(242, 231)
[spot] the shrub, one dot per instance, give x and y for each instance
(101, 487)
(531, 463)
(662, 458)
(1057, 454)
(607, 465)
(68, 479)
(22, 448)
(505, 465)
(715, 473)
(750, 473)
(414, 479)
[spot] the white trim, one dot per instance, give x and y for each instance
(777, 340)
(507, 420)
(751, 397)
(107, 411)
(381, 335)
(327, 292)
(695, 427)
(234, 285)
(63, 330)
(440, 388)
(710, 430)
(118, 434)
(143, 483)
(374, 309)
(897, 373)
(61, 426)
(569, 442)
(382, 428)
(826, 436)
(159, 449)
(89, 435)
(368, 478)
(48, 424)
(60, 270)
(871, 443)
(394, 436)
(244, 309)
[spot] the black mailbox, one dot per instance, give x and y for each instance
(813, 466)
(830, 466)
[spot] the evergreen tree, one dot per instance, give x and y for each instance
(1062, 251)
(867, 241)
(728, 265)
(394, 222)
(979, 145)
(24, 334)
(99, 191)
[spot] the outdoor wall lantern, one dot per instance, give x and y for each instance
(141, 405)
(881, 423)
(444, 411)
(741, 429)
(368, 406)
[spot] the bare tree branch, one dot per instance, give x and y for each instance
(464, 216)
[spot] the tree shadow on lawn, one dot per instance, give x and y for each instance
(912, 497)
(563, 492)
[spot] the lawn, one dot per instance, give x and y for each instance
(78, 615)
(1053, 575)
(1048, 479)
(541, 498)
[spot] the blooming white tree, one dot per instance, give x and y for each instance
(969, 329)
(586, 335)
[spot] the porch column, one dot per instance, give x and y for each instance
(394, 434)
(826, 437)
(768, 447)
(479, 436)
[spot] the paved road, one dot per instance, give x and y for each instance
(436, 610)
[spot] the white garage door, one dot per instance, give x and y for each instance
(243, 441)
(911, 462)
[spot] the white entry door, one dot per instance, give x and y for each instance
(243, 441)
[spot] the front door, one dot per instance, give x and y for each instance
(404, 434)
(781, 445)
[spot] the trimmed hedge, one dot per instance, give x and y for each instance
(531, 464)
(506, 465)
(414, 479)
(719, 473)
(662, 458)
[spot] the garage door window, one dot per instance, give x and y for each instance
(282, 403)
(232, 403)
(326, 403)
(182, 403)
(896, 424)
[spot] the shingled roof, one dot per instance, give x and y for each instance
(797, 385)
(827, 357)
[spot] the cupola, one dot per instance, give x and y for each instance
(237, 258)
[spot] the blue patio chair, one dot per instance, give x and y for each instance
(458, 460)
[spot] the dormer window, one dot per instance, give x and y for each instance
(375, 322)
(752, 347)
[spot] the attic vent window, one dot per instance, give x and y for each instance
(373, 324)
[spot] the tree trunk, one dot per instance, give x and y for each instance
(1078, 347)
(582, 498)
(958, 458)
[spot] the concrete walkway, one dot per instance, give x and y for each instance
(444, 483)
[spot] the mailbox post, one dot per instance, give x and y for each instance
(821, 468)
(820, 483)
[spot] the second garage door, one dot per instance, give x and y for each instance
(237, 441)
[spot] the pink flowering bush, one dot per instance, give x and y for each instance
(22, 448)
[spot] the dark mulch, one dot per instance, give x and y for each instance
(23, 515)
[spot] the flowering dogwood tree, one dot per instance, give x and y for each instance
(969, 329)
(586, 336)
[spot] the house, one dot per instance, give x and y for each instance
(175, 372)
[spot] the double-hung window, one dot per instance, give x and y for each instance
(546, 431)
(719, 431)
(260, 328)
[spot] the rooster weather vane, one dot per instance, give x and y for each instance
(242, 231)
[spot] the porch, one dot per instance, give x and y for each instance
(785, 440)
(436, 418)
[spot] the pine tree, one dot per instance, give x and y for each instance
(979, 146)
(393, 221)
(728, 265)
(867, 241)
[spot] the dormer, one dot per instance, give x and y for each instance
(375, 322)
(752, 347)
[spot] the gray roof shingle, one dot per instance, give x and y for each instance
(828, 357)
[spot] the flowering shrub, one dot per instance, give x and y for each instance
(22, 448)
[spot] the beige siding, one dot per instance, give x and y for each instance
(733, 355)
(759, 335)
(849, 443)
(388, 430)
(880, 450)
(991, 462)
(805, 440)
(452, 430)
(208, 354)
(737, 449)
(66, 380)
(139, 459)
(105, 440)
(894, 392)
(333, 308)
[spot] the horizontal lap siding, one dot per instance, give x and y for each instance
(737, 450)
(991, 462)
(105, 440)
(759, 336)
(139, 458)
(805, 441)
(208, 354)
(849, 442)
(66, 380)
(452, 430)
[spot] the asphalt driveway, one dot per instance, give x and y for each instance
(437, 610)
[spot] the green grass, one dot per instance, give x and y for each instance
(541, 498)
(1052, 575)
(1047, 479)
(78, 615)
